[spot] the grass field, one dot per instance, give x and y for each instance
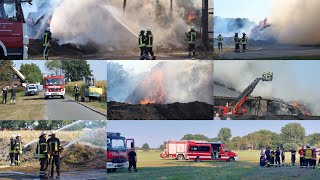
(151, 166)
(27, 107)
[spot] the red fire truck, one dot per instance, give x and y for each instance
(54, 86)
(198, 151)
(117, 151)
(14, 40)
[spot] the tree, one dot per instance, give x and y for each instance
(145, 147)
(55, 67)
(76, 70)
(313, 139)
(198, 137)
(293, 133)
(6, 72)
(32, 73)
(224, 134)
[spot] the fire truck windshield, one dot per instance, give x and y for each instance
(116, 145)
(54, 82)
(8, 10)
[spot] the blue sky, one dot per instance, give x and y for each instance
(155, 132)
(98, 67)
(255, 10)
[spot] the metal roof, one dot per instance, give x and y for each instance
(221, 91)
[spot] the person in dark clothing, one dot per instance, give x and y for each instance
(46, 42)
(132, 160)
(142, 44)
(283, 157)
(42, 154)
(18, 149)
(192, 36)
(236, 40)
(293, 157)
(12, 150)
(76, 91)
(13, 91)
(149, 44)
(273, 155)
(55, 149)
(278, 157)
(302, 153)
(268, 156)
(244, 42)
(4, 95)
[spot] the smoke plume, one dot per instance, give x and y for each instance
(105, 24)
(296, 22)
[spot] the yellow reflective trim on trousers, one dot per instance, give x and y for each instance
(45, 39)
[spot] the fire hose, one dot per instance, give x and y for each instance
(230, 46)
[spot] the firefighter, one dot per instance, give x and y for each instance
(142, 44)
(308, 156)
(132, 160)
(236, 40)
(283, 157)
(302, 160)
(4, 95)
(12, 150)
(192, 36)
(220, 39)
(293, 157)
(42, 154)
(46, 42)
(18, 149)
(273, 155)
(314, 158)
(55, 149)
(268, 156)
(244, 42)
(76, 91)
(149, 44)
(278, 153)
(13, 91)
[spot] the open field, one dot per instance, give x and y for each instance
(151, 166)
(27, 107)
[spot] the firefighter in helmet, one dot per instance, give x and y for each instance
(302, 160)
(244, 42)
(236, 40)
(192, 36)
(149, 44)
(42, 154)
(76, 90)
(46, 42)
(314, 158)
(12, 150)
(55, 149)
(308, 156)
(142, 44)
(18, 149)
(220, 39)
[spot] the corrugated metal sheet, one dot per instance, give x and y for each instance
(221, 91)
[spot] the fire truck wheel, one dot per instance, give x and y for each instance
(46, 97)
(197, 159)
(62, 97)
(231, 159)
(180, 157)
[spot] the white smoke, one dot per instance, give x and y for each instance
(104, 23)
(296, 22)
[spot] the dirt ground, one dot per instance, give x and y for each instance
(175, 111)
(27, 107)
(71, 52)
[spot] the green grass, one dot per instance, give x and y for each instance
(151, 166)
(99, 105)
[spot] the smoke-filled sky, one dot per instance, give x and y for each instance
(152, 132)
(293, 80)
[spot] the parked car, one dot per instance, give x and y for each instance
(32, 90)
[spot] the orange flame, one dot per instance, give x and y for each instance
(191, 15)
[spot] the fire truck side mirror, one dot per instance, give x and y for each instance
(132, 145)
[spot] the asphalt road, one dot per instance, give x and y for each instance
(63, 109)
(94, 174)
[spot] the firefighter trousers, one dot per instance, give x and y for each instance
(237, 47)
(12, 157)
(46, 52)
(150, 51)
(17, 159)
(43, 167)
(278, 161)
(132, 164)
(220, 46)
(192, 49)
(244, 47)
(293, 160)
(76, 97)
(301, 161)
(55, 162)
(307, 162)
(143, 53)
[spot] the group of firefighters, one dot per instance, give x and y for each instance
(237, 42)
(15, 150)
(47, 151)
(146, 43)
(6, 90)
(308, 157)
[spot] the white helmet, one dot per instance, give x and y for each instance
(19, 135)
(193, 28)
(48, 28)
(53, 132)
(43, 133)
(13, 136)
(149, 29)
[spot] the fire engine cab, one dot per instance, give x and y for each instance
(198, 151)
(14, 40)
(54, 86)
(118, 148)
